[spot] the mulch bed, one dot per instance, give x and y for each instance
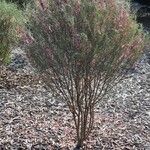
(30, 118)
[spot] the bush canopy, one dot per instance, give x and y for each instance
(82, 48)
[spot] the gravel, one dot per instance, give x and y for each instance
(30, 118)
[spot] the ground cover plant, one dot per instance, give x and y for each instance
(11, 21)
(82, 49)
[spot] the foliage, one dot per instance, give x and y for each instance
(20, 3)
(11, 20)
(83, 48)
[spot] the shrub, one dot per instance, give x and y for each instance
(82, 48)
(20, 3)
(11, 19)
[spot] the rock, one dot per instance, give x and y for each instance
(39, 146)
(148, 113)
(148, 58)
(18, 62)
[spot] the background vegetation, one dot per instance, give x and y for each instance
(20, 3)
(11, 22)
